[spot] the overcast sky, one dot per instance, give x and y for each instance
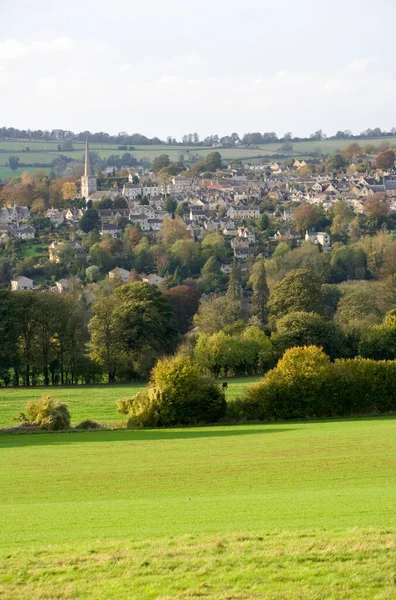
(169, 67)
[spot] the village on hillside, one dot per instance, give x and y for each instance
(253, 207)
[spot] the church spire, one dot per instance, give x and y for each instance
(87, 168)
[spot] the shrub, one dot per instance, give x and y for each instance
(46, 414)
(178, 394)
(88, 424)
(305, 384)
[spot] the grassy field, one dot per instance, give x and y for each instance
(278, 511)
(90, 402)
(47, 151)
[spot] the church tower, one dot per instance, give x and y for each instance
(88, 182)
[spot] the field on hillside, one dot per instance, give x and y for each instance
(47, 151)
(286, 510)
(88, 402)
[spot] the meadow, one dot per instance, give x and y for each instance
(89, 402)
(46, 152)
(277, 511)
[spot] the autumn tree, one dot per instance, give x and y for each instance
(173, 230)
(376, 207)
(385, 160)
(69, 190)
(305, 217)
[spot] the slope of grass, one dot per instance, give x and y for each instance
(293, 510)
(88, 402)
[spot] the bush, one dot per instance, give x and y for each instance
(46, 414)
(88, 424)
(305, 384)
(178, 394)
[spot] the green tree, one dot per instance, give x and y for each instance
(184, 301)
(299, 291)
(215, 314)
(13, 162)
(260, 295)
(160, 162)
(306, 329)
(336, 162)
(106, 345)
(92, 274)
(234, 287)
(171, 206)
(212, 162)
(90, 220)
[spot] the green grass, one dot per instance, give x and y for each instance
(87, 402)
(47, 151)
(285, 511)
(33, 250)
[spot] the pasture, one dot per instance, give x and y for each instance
(285, 510)
(46, 152)
(88, 402)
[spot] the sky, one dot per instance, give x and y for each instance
(171, 67)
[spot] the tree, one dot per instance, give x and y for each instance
(69, 190)
(173, 230)
(92, 274)
(100, 256)
(105, 333)
(214, 245)
(178, 394)
(234, 287)
(348, 262)
(358, 306)
(212, 162)
(336, 162)
(264, 222)
(160, 162)
(215, 314)
(299, 291)
(184, 301)
(90, 220)
(385, 160)
(260, 295)
(13, 162)
(144, 323)
(352, 150)
(305, 217)
(306, 329)
(376, 207)
(170, 206)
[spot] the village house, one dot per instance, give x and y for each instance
(55, 216)
(22, 283)
(153, 279)
(319, 237)
(14, 214)
(240, 213)
(119, 273)
(110, 229)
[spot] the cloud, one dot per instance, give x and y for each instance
(13, 49)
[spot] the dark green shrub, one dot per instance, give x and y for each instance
(88, 424)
